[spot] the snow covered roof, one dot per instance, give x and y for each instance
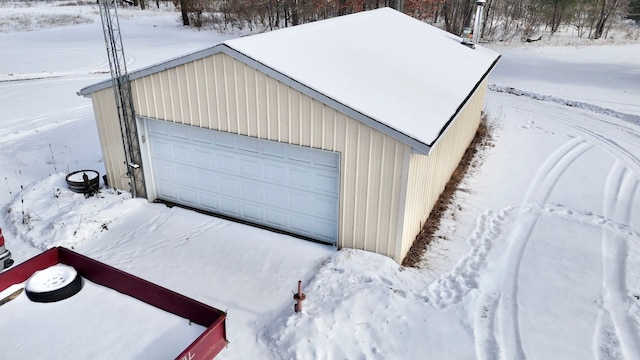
(384, 68)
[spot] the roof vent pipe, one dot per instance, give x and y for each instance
(478, 20)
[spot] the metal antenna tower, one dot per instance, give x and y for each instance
(122, 92)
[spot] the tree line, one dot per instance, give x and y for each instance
(503, 20)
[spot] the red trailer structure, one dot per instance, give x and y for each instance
(206, 346)
(5, 255)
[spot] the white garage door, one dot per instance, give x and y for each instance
(281, 186)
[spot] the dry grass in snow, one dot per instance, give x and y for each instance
(470, 160)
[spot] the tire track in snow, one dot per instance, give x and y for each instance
(635, 119)
(508, 340)
(614, 149)
(606, 345)
(616, 298)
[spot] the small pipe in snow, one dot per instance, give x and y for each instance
(299, 297)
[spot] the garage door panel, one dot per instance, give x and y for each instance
(252, 212)
(324, 207)
(207, 180)
(331, 162)
(283, 186)
(301, 224)
(200, 135)
(225, 140)
(203, 158)
(300, 201)
(247, 144)
(300, 177)
(182, 153)
(187, 196)
(276, 196)
(226, 163)
(161, 149)
(165, 170)
(167, 191)
(252, 190)
(158, 127)
(276, 173)
(326, 182)
(324, 230)
(228, 185)
(181, 132)
(186, 176)
(276, 218)
(304, 155)
(209, 202)
(249, 167)
(273, 149)
(230, 207)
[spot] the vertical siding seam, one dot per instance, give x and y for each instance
(141, 94)
(334, 139)
(257, 103)
(367, 191)
(198, 81)
(207, 99)
(216, 94)
(356, 189)
(289, 115)
(163, 94)
(290, 121)
(180, 96)
(323, 120)
(225, 73)
(380, 190)
(299, 120)
(170, 88)
(278, 113)
(264, 96)
(272, 107)
(236, 82)
(188, 117)
(402, 206)
(247, 97)
(312, 116)
(154, 91)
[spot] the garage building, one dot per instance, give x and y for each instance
(344, 130)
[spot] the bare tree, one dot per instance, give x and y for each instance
(184, 10)
(607, 8)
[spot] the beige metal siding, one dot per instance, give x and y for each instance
(104, 107)
(428, 174)
(221, 93)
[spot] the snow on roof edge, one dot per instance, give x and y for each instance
(328, 100)
(227, 47)
(400, 71)
(486, 74)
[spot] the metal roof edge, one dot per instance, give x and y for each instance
(415, 144)
(466, 99)
(156, 68)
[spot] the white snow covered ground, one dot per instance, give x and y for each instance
(540, 259)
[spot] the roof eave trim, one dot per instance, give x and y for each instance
(415, 144)
(181, 60)
(466, 99)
